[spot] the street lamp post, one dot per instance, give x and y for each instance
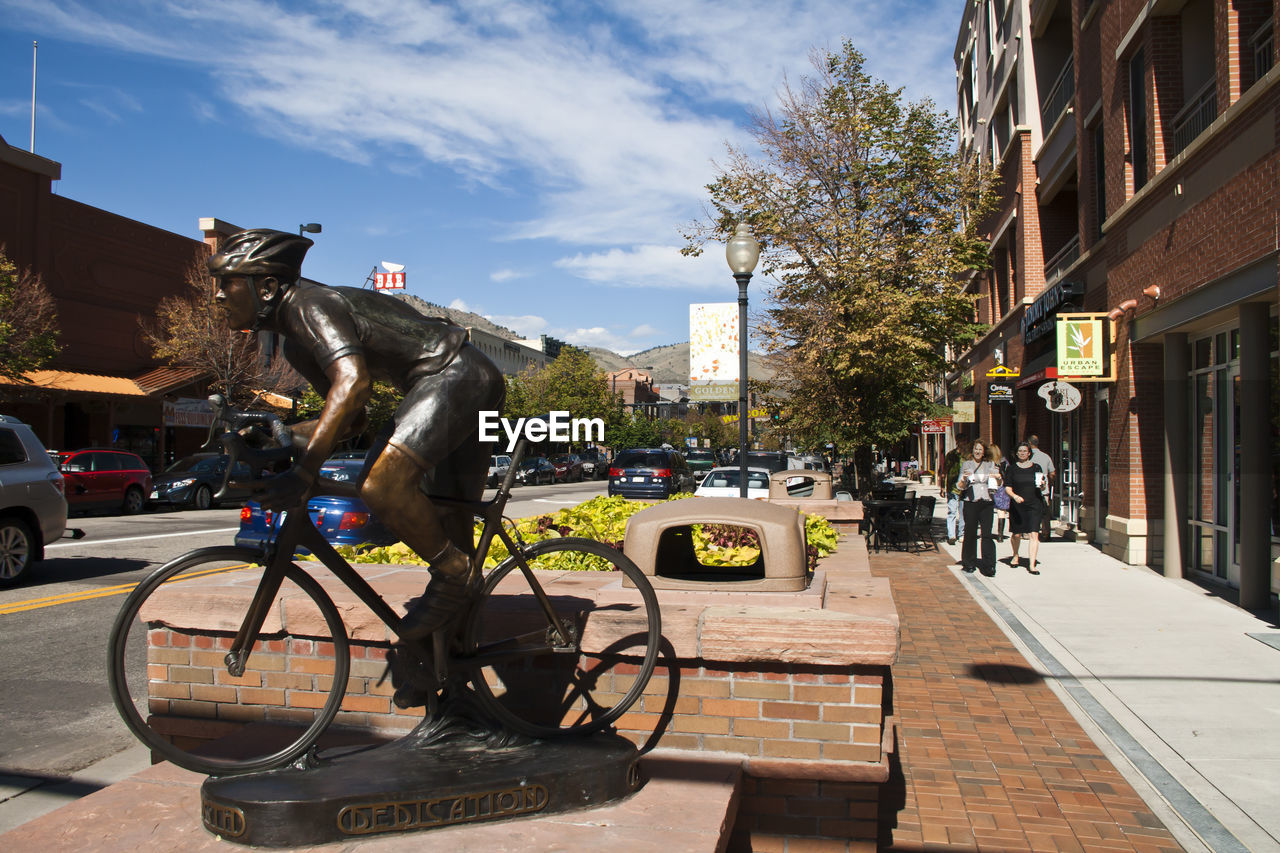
(309, 228)
(742, 253)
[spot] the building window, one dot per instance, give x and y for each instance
(1138, 119)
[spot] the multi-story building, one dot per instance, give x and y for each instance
(1139, 180)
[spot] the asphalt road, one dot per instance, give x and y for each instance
(56, 715)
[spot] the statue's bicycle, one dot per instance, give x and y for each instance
(522, 651)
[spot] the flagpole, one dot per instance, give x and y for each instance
(34, 45)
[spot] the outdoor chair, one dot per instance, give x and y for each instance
(893, 525)
(922, 523)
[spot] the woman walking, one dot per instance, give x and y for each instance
(979, 478)
(1023, 480)
(1001, 501)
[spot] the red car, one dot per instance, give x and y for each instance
(101, 478)
(568, 468)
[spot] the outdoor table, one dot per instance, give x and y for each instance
(876, 514)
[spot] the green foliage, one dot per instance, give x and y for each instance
(571, 383)
(381, 407)
(28, 322)
(605, 520)
(867, 218)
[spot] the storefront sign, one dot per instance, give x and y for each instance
(1084, 351)
(999, 392)
(935, 426)
(1059, 396)
(1038, 319)
(965, 412)
(388, 281)
(188, 412)
(1002, 372)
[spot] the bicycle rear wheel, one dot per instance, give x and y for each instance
(542, 682)
(171, 681)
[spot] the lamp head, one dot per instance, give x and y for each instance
(742, 251)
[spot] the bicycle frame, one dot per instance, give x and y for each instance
(299, 531)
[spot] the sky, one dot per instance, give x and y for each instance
(532, 162)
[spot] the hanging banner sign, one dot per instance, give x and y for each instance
(935, 426)
(999, 392)
(965, 412)
(1084, 352)
(713, 351)
(1002, 372)
(187, 412)
(1059, 396)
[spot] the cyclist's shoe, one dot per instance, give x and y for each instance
(444, 599)
(411, 681)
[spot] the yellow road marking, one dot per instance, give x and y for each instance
(103, 592)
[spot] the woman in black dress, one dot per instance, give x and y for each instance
(1022, 481)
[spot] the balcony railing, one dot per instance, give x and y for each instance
(1062, 259)
(1263, 51)
(1195, 117)
(1060, 95)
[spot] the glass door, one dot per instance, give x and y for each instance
(1214, 512)
(1102, 459)
(1066, 452)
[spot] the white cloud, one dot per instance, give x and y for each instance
(612, 114)
(460, 305)
(525, 325)
(506, 275)
(650, 266)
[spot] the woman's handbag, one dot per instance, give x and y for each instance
(1001, 497)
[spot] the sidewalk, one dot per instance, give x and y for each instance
(1164, 677)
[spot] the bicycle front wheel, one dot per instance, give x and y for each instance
(542, 680)
(171, 676)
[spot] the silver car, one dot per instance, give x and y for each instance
(33, 510)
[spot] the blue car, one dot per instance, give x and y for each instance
(341, 521)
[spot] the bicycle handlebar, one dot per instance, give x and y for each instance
(232, 420)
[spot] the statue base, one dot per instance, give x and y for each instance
(422, 781)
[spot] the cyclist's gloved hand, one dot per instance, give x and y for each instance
(283, 491)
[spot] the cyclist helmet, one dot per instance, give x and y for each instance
(261, 251)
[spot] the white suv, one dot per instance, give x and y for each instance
(498, 465)
(33, 510)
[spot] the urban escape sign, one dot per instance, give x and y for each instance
(1084, 352)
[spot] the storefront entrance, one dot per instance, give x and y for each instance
(1066, 456)
(1214, 512)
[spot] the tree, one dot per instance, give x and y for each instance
(571, 383)
(867, 217)
(28, 322)
(188, 331)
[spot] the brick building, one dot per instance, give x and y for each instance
(1137, 148)
(105, 272)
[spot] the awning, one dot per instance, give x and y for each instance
(164, 379)
(89, 383)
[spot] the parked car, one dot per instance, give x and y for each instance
(655, 474)
(725, 483)
(568, 468)
(534, 470)
(700, 461)
(499, 464)
(341, 520)
(771, 459)
(594, 463)
(194, 480)
(101, 478)
(33, 510)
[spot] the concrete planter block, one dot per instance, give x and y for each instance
(660, 542)
(815, 485)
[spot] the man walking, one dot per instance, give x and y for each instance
(950, 477)
(1045, 462)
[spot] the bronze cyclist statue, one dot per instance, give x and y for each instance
(341, 339)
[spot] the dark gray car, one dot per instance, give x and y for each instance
(33, 509)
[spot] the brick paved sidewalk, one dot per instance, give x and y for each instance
(988, 757)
